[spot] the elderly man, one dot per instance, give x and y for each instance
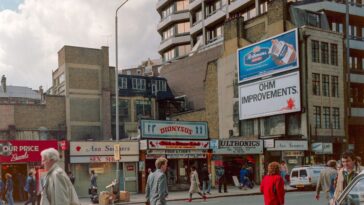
(57, 189)
(157, 189)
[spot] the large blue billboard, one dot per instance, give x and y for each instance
(273, 55)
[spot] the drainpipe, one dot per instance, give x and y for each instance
(305, 37)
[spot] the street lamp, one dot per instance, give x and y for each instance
(117, 88)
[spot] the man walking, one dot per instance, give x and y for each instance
(326, 181)
(347, 173)
(205, 176)
(30, 186)
(157, 189)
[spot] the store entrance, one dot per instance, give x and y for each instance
(19, 174)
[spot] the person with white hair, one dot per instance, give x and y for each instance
(57, 189)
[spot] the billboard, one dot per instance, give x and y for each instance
(273, 55)
(273, 96)
(158, 129)
(177, 144)
(24, 150)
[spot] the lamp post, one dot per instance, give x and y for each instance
(117, 88)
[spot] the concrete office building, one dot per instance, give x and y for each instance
(335, 12)
(190, 24)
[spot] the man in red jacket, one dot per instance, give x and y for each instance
(272, 186)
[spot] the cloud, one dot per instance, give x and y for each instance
(31, 36)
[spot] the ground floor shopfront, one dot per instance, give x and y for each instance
(18, 158)
(181, 155)
(99, 156)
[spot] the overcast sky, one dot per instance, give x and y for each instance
(33, 31)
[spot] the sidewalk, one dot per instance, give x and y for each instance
(183, 195)
(180, 196)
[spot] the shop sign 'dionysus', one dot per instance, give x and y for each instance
(154, 129)
(273, 55)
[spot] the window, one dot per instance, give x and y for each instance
(168, 11)
(294, 174)
(123, 83)
(169, 55)
(247, 127)
(61, 78)
(182, 5)
(138, 84)
(274, 125)
(263, 7)
(334, 86)
(354, 194)
(324, 53)
(333, 26)
(168, 33)
(294, 124)
(183, 27)
(325, 85)
(158, 85)
(334, 54)
(362, 60)
(143, 108)
(317, 116)
(124, 105)
(353, 31)
(326, 116)
(313, 19)
(315, 84)
(353, 62)
(303, 173)
(183, 50)
(335, 118)
(315, 51)
(197, 17)
(340, 28)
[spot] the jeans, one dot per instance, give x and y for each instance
(31, 199)
(9, 197)
(206, 184)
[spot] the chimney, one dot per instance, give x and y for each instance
(41, 92)
(3, 83)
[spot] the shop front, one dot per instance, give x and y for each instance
(184, 144)
(323, 152)
(232, 154)
(99, 156)
(290, 151)
(18, 157)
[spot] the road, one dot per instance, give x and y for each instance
(292, 198)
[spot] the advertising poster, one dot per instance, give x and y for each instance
(268, 97)
(273, 55)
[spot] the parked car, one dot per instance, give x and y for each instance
(353, 194)
(305, 177)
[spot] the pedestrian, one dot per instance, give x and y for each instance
(221, 178)
(284, 171)
(156, 190)
(205, 176)
(326, 181)
(347, 173)
(93, 179)
(195, 185)
(72, 178)
(57, 187)
(9, 186)
(1, 191)
(244, 178)
(30, 188)
(272, 186)
(19, 183)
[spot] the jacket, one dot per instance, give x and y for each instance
(272, 187)
(157, 189)
(58, 188)
(340, 186)
(30, 185)
(205, 174)
(9, 186)
(195, 183)
(326, 181)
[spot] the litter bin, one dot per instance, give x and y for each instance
(124, 196)
(104, 198)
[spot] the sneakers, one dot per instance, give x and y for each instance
(204, 197)
(189, 200)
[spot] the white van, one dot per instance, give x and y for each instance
(305, 176)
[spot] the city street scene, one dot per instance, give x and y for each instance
(158, 102)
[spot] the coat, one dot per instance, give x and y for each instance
(340, 181)
(272, 187)
(195, 183)
(58, 188)
(157, 188)
(205, 174)
(326, 181)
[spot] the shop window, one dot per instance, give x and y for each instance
(247, 127)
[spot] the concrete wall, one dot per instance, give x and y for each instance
(7, 116)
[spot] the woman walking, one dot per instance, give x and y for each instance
(272, 186)
(9, 186)
(195, 185)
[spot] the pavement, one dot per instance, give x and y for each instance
(183, 195)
